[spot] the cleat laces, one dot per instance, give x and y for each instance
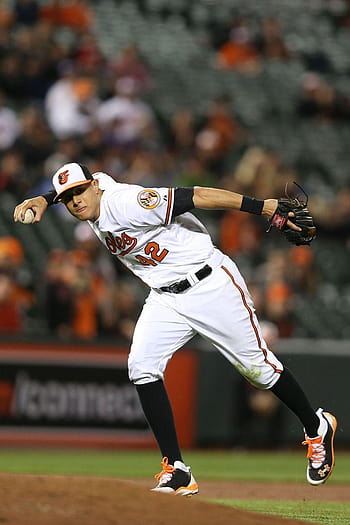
(316, 452)
(166, 474)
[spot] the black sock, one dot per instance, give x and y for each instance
(157, 409)
(288, 390)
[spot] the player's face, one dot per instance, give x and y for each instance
(83, 202)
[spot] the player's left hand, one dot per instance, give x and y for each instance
(293, 218)
(270, 209)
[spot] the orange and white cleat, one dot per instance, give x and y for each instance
(321, 450)
(175, 479)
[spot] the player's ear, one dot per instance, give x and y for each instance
(95, 185)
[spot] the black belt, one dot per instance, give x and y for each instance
(183, 285)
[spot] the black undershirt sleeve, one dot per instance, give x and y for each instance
(183, 201)
(49, 197)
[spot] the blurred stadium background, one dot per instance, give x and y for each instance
(246, 96)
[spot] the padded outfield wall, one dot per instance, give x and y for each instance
(321, 367)
(80, 395)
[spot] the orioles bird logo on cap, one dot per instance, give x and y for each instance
(63, 177)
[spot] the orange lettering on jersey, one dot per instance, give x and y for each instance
(124, 243)
(152, 249)
(146, 261)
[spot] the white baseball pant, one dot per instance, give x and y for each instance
(220, 309)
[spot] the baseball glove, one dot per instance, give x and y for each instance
(301, 218)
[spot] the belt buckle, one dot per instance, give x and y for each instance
(179, 287)
(183, 285)
(173, 288)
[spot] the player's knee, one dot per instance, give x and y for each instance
(263, 380)
(141, 372)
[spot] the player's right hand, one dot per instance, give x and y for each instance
(37, 204)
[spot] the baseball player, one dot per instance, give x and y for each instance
(195, 289)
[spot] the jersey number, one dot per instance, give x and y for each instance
(156, 256)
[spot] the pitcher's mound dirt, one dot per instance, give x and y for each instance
(65, 500)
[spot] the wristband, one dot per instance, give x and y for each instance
(49, 197)
(251, 205)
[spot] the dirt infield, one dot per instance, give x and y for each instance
(70, 500)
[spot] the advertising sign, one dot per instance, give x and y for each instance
(75, 393)
(65, 395)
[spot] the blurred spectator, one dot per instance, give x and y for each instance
(125, 118)
(35, 79)
(130, 64)
(113, 161)
(72, 295)
(88, 56)
(26, 12)
(182, 131)
(39, 55)
(10, 311)
(6, 16)
(71, 103)
(340, 223)
(15, 300)
(51, 50)
(59, 297)
(303, 271)
(259, 412)
(239, 233)
(86, 240)
(66, 150)
(127, 306)
(279, 306)
(90, 295)
(144, 168)
(12, 175)
(29, 67)
(11, 253)
(270, 42)
(79, 298)
(193, 172)
(118, 302)
(319, 99)
(239, 52)
(273, 274)
(261, 172)
(35, 141)
(75, 14)
(9, 124)
(219, 133)
(333, 215)
(93, 146)
(340, 13)
(12, 81)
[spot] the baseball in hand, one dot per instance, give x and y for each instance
(28, 216)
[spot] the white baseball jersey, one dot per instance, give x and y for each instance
(135, 225)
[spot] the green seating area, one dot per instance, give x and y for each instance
(175, 38)
(326, 314)
(265, 101)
